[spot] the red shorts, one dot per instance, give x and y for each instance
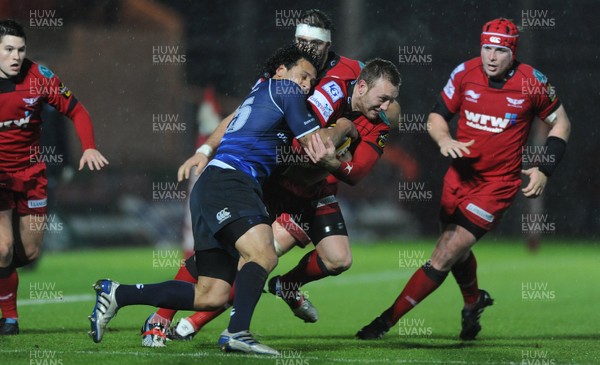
(308, 217)
(482, 202)
(25, 190)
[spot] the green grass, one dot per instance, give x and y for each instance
(562, 328)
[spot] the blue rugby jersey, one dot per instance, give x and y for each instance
(271, 116)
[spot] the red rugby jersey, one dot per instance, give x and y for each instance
(330, 101)
(497, 116)
(21, 100)
(340, 67)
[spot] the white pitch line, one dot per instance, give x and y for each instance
(252, 357)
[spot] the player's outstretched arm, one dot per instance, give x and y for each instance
(440, 133)
(200, 159)
(93, 159)
(555, 148)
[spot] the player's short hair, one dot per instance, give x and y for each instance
(289, 56)
(11, 27)
(378, 68)
(316, 18)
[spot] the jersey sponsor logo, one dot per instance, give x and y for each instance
(551, 90)
(472, 96)
(45, 71)
(515, 103)
(18, 122)
(488, 122)
(348, 168)
(333, 90)
(64, 90)
(540, 76)
(382, 139)
(449, 89)
(330, 199)
(322, 104)
(31, 204)
(481, 213)
(223, 215)
(30, 102)
(495, 39)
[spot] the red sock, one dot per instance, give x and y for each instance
(200, 319)
(8, 294)
(465, 274)
(183, 275)
(310, 268)
(421, 284)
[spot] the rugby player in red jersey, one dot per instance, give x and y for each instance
(497, 99)
(24, 87)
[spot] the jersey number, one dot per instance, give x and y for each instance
(241, 117)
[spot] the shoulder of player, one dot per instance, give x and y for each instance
(342, 67)
(38, 70)
(329, 81)
(281, 92)
(467, 68)
(333, 89)
(283, 88)
(532, 75)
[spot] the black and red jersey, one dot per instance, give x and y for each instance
(340, 67)
(21, 101)
(331, 100)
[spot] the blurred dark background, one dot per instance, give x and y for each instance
(142, 68)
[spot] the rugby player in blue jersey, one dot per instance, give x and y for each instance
(229, 217)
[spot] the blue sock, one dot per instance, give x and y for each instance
(10, 320)
(172, 294)
(248, 288)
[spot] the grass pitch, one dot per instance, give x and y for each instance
(545, 311)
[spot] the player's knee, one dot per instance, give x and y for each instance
(337, 264)
(33, 254)
(269, 262)
(210, 296)
(6, 249)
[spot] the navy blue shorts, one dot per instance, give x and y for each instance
(224, 204)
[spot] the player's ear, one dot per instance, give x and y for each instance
(281, 71)
(362, 87)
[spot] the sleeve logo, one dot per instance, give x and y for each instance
(333, 90)
(320, 102)
(45, 71)
(540, 76)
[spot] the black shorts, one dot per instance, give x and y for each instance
(215, 263)
(224, 204)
